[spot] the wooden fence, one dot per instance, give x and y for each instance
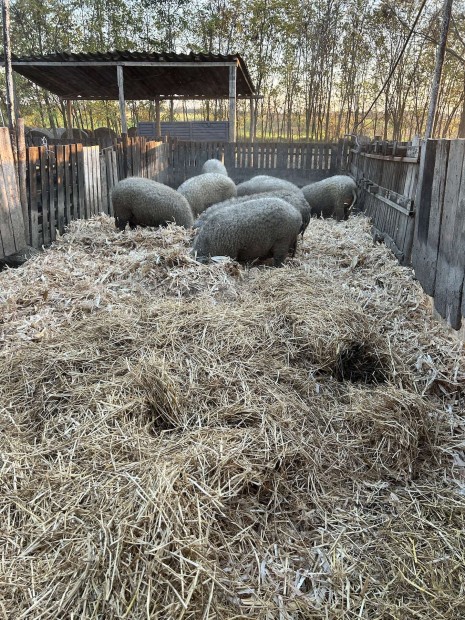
(418, 207)
(300, 163)
(68, 182)
(72, 181)
(387, 187)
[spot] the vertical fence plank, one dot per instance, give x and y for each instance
(67, 184)
(74, 206)
(7, 229)
(44, 189)
(434, 169)
(104, 185)
(10, 207)
(33, 163)
(451, 262)
(80, 167)
(60, 188)
(52, 191)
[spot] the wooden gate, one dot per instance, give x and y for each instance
(387, 186)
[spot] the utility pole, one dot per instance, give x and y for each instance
(10, 96)
(441, 51)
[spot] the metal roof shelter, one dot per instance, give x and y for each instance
(124, 75)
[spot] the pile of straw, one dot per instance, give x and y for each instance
(213, 441)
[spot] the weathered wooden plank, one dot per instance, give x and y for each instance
(94, 188)
(22, 177)
(80, 167)
(263, 155)
(33, 163)
(99, 208)
(408, 240)
(129, 157)
(52, 190)
(248, 155)
(90, 182)
(67, 184)
(320, 157)
(11, 187)
(74, 204)
(451, 262)
(294, 165)
(85, 215)
(60, 187)
(7, 235)
(104, 185)
(433, 172)
(44, 189)
(390, 158)
(269, 156)
(336, 157)
(95, 179)
(274, 147)
(11, 214)
(402, 203)
(300, 156)
(141, 171)
(120, 160)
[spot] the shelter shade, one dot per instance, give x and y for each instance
(147, 76)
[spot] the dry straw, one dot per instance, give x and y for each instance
(200, 442)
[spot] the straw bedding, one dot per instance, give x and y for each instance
(199, 442)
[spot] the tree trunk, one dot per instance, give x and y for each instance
(461, 132)
(441, 51)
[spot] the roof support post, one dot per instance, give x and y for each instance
(124, 123)
(232, 102)
(122, 103)
(69, 119)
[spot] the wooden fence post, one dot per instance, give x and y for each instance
(22, 177)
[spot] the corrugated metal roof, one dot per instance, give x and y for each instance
(147, 75)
